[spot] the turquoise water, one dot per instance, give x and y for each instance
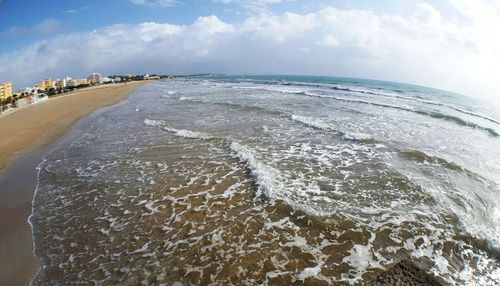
(273, 180)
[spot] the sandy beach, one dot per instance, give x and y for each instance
(25, 135)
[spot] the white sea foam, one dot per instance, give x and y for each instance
(318, 123)
(488, 215)
(361, 259)
(266, 177)
(291, 89)
(152, 122)
(357, 136)
(273, 88)
(320, 177)
(310, 272)
(188, 133)
(178, 132)
(313, 122)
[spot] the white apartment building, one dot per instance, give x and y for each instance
(94, 78)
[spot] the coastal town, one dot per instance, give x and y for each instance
(43, 90)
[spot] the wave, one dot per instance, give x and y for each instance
(312, 94)
(266, 177)
(473, 114)
(459, 121)
(152, 122)
(313, 122)
(429, 102)
(388, 94)
(188, 133)
(270, 88)
(435, 115)
(425, 158)
(478, 209)
(320, 124)
(422, 157)
(178, 132)
(250, 108)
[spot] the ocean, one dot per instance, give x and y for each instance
(272, 180)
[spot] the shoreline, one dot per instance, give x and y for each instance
(41, 130)
(26, 136)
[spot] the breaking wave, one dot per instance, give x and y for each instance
(435, 115)
(266, 177)
(178, 132)
(317, 123)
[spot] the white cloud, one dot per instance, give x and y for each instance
(330, 40)
(423, 47)
(154, 3)
(259, 6)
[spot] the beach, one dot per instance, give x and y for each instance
(26, 135)
(256, 180)
(273, 180)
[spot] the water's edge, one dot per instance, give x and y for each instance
(336, 191)
(80, 127)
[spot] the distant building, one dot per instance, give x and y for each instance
(28, 91)
(25, 101)
(106, 80)
(5, 91)
(72, 83)
(152, 77)
(94, 78)
(61, 83)
(83, 81)
(45, 84)
(31, 99)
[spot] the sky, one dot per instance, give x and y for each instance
(452, 45)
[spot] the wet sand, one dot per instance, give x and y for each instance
(26, 135)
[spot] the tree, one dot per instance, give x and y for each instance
(51, 91)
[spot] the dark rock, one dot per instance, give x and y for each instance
(405, 273)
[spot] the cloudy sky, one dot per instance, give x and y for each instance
(452, 45)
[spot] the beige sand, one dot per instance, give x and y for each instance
(39, 124)
(25, 130)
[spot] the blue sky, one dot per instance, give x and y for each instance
(448, 44)
(24, 22)
(84, 15)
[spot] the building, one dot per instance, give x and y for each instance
(151, 77)
(72, 83)
(106, 80)
(61, 83)
(45, 84)
(5, 91)
(83, 81)
(94, 78)
(31, 99)
(28, 91)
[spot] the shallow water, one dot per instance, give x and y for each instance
(251, 180)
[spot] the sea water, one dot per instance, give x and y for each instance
(245, 180)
